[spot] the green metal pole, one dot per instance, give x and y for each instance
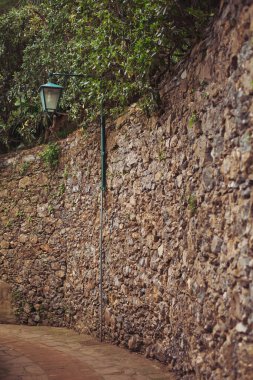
(103, 153)
(103, 188)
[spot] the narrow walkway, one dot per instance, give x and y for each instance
(44, 353)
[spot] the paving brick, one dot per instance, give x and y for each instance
(46, 353)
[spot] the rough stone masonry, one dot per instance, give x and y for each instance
(178, 225)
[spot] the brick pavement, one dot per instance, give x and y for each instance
(44, 353)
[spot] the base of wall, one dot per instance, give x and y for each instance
(7, 314)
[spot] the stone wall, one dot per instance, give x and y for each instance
(178, 222)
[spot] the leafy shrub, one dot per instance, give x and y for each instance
(51, 154)
(122, 48)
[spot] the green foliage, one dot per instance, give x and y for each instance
(18, 301)
(193, 119)
(62, 134)
(19, 116)
(50, 209)
(20, 214)
(9, 223)
(24, 167)
(61, 189)
(29, 219)
(65, 173)
(50, 155)
(192, 204)
(162, 155)
(121, 47)
(17, 295)
(5, 5)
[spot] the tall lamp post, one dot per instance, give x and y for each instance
(50, 94)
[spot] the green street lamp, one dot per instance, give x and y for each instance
(50, 94)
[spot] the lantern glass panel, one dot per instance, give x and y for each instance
(51, 98)
(42, 99)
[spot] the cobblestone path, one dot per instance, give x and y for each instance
(44, 353)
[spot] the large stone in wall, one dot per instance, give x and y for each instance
(7, 314)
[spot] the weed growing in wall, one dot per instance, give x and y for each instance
(24, 167)
(51, 155)
(65, 173)
(17, 295)
(61, 189)
(18, 301)
(193, 119)
(20, 214)
(29, 219)
(162, 155)
(192, 204)
(8, 224)
(50, 209)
